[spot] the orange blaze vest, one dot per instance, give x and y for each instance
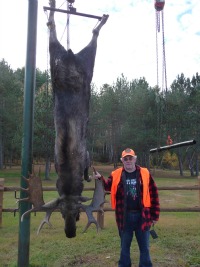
(145, 180)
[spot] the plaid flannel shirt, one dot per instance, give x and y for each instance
(148, 214)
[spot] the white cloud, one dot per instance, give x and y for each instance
(126, 43)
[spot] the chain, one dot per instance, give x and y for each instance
(164, 77)
(157, 62)
(158, 21)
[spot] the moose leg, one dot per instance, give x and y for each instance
(98, 28)
(51, 22)
(88, 53)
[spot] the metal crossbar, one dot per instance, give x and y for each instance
(186, 143)
(72, 12)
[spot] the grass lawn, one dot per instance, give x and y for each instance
(178, 244)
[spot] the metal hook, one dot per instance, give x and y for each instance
(14, 211)
(16, 195)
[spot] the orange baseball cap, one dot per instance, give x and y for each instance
(128, 152)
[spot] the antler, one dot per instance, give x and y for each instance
(35, 193)
(49, 207)
(25, 213)
(36, 198)
(45, 220)
(96, 205)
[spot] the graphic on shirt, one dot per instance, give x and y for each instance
(131, 188)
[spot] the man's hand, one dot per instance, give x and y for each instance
(96, 175)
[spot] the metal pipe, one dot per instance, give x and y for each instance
(29, 92)
(186, 143)
(72, 12)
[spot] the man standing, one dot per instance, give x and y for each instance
(134, 196)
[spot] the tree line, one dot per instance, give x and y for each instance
(123, 114)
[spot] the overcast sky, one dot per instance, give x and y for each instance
(126, 44)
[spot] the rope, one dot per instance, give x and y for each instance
(63, 33)
(62, 3)
(67, 24)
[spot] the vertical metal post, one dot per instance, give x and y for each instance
(29, 92)
(199, 189)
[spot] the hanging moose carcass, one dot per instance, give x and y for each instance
(71, 75)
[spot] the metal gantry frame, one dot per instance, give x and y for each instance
(28, 122)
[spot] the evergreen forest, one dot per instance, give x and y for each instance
(123, 114)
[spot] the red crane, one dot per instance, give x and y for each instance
(159, 5)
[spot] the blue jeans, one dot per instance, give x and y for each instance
(133, 225)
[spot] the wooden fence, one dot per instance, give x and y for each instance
(100, 217)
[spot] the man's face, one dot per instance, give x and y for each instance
(129, 163)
